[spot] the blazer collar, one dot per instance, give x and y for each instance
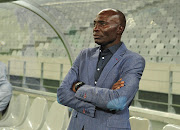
(113, 61)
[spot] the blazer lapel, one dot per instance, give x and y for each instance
(92, 66)
(112, 62)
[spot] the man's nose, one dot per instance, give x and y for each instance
(96, 27)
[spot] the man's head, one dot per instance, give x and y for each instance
(109, 25)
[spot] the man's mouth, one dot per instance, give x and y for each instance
(97, 36)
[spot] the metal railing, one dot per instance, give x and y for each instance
(172, 91)
(22, 72)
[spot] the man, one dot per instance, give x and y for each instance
(103, 81)
(5, 88)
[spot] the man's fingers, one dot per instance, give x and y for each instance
(119, 80)
(119, 83)
(122, 82)
(117, 86)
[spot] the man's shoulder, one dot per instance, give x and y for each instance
(89, 51)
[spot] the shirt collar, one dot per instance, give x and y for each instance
(112, 49)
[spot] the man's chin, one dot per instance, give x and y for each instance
(98, 42)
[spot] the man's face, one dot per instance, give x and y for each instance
(105, 28)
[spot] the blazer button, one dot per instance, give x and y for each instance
(95, 82)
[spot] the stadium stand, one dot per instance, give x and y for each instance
(78, 29)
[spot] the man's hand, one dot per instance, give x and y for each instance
(73, 87)
(118, 85)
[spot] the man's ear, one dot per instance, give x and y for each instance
(120, 29)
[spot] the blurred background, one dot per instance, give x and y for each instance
(39, 40)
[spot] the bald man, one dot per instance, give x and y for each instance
(103, 81)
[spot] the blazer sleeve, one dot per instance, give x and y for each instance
(5, 88)
(116, 100)
(66, 96)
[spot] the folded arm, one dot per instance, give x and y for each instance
(117, 99)
(66, 96)
(115, 86)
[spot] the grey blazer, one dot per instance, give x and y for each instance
(98, 107)
(5, 88)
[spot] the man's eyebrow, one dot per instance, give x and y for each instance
(100, 21)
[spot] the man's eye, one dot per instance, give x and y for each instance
(100, 24)
(103, 23)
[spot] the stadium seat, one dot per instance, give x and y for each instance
(153, 52)
(171, 127)
(60, 114)
(16, 112)
(8, 111)
(19, 53)
(36, 115)
(176, 60)
(144, 51)
(178, 46)
(149, 58)
(173, 52)
(166, 59)
(170, 46)
(174, 41)
(153, 36)
(46, 45)
(159, 46)
(133, 41)
(138, 123)
(14, 53)
(163, 52)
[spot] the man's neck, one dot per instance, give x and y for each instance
(108, 46)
